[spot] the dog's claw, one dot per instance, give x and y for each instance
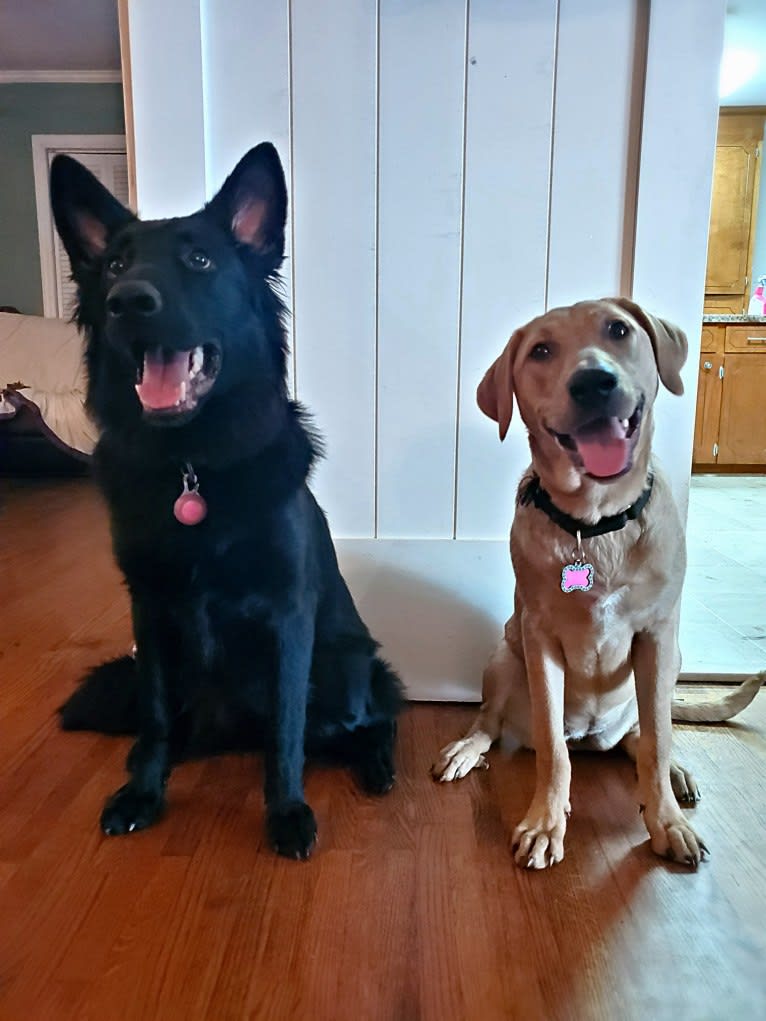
(292, 830)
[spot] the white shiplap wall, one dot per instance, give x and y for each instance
(455, 166)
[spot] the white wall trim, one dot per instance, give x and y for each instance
(42, 146)
(60, 77)
(679, 124)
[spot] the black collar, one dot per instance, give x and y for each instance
(534, 493)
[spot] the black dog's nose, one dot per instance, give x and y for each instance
(590, 387)
(133, 297)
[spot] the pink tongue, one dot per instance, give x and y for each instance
(164, 372)
(604, 448)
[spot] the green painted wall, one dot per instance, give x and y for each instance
(39, 109)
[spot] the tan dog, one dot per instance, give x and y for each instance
(590, 656)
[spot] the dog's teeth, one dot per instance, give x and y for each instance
(197, 360)
(182, 398)
(624, 423)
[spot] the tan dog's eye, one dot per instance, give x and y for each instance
(617, 329)
(540, 352)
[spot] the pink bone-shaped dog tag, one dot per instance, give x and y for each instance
(577, 577)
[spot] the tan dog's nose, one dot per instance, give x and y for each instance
(592, 387)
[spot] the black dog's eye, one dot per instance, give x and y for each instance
(197, 259)
(115, 265)
(540, 352)
(617, 329)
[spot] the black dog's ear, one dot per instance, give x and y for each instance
(86, 214)
(253, 204)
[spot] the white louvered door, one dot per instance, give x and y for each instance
(455, 167)
(105, 157)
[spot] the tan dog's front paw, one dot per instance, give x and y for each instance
(538, 840)
(674, 838)
(459, 758)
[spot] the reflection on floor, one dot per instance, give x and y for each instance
(723, 618)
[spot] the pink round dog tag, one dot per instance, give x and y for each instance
(190, 508)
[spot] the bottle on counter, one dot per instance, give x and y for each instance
(757, 306)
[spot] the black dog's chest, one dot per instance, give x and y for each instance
(236, 556)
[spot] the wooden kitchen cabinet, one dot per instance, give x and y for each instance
(708, 408)
(730, 427)
(747, 337)
(733, 210)
(742, 429)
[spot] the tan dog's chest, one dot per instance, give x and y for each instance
(593, 631)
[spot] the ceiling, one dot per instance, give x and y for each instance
(59, 35)
(82, 35)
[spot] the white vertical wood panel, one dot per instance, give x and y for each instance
(594, 77)
(166, 75)
(422, 53)
(677, 155)
(334, 145)
(246, 55)
(437, 607)
(246, 64)
(505, 246)
(456, 593)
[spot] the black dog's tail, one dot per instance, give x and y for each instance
(106, 700)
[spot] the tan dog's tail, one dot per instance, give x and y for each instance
(719, 709)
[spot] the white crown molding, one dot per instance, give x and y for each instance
(63, 77)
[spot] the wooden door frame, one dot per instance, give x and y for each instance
(123, 18)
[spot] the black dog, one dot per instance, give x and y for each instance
(245, 631)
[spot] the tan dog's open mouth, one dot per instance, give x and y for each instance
(603, 447)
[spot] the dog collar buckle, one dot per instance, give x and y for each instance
(577, 576)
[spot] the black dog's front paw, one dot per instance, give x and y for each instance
(292, 829)
(128, 810)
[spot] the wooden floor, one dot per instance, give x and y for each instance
(411, 907)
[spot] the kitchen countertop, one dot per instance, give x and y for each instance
(733, 319)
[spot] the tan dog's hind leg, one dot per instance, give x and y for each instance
(655, 664)
(538, 840)
(457, 759)
(681, 780)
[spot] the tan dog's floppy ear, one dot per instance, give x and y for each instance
(669, 343)
(495, 392)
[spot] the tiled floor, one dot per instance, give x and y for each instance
(723, 618)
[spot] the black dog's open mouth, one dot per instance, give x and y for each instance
(173, 382)
(604, 446)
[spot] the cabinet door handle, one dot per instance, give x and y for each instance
(756, 340)
(707, 366)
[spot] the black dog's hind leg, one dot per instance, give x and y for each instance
(370, 751)
(290, 821)
(141, 801)
(370, 748)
